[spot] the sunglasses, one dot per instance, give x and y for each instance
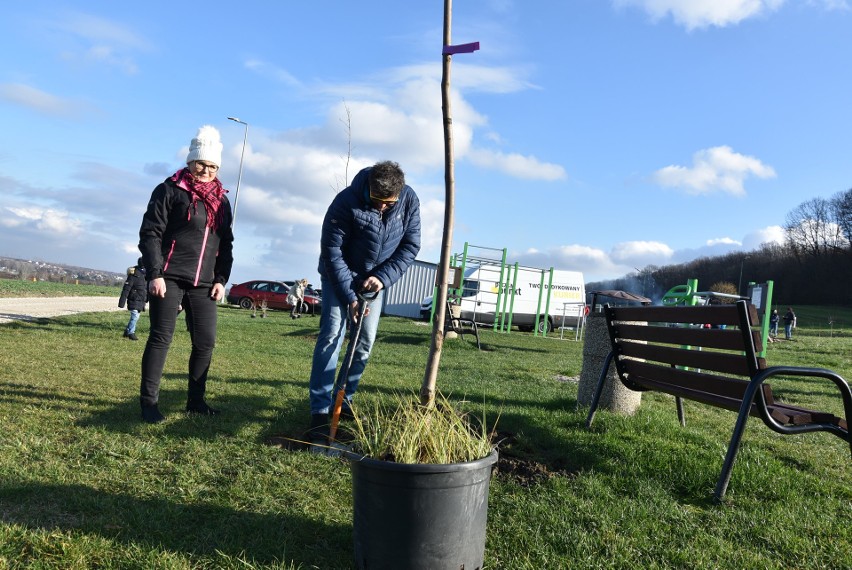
(375, 198)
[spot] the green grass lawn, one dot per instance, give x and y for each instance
(23, 288)
(84, 484)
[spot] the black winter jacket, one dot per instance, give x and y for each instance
(135, 290)
(359, 241)
(176, 242)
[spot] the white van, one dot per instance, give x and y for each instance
(521, 297)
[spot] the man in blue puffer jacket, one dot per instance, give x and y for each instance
(370, 237)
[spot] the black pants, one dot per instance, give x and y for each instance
(201, 322)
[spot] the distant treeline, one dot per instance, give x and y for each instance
(28, 270)
(812, 267)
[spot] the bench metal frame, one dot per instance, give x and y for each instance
(671, 350)
(459, 325)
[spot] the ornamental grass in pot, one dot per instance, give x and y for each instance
(420, 480)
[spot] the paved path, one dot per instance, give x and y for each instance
(28, 308)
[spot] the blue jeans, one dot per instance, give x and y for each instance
(333, 325)
(131, 325)
(788, 331)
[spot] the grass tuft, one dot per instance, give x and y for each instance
(404, 431)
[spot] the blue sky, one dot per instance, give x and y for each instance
(592, 135)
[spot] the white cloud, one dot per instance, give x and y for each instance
(92, 39)
(109, 56)
(467, 77)
(100, 30)
(831, 4)
(275, 209)
(37, 100)
(516, 165)
(641, 253)
(594, 263)
(771, 234)
(44, 220)
(693, 14)
(272, 71)
(722, 241)
(714, 169)
(629, 257)
(431, 228)
(398, 113)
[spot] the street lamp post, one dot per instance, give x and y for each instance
(740, 282)
(644, 278)
(240, 175)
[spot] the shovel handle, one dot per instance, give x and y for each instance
(367, 296)
(364, 300)
(335, 414)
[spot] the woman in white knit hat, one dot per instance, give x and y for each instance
(186, 243)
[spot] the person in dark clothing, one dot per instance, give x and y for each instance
(370, 237)
(789, 323)
(134, 294)
(187, 248)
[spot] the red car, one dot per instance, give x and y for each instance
(253, 293)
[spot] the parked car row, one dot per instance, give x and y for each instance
(253, 293)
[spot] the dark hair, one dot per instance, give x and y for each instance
(386, 179)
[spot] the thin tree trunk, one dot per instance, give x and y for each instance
(427, 390)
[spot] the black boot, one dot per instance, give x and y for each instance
(318, 433)
(195, 403)
(201, 407)
(151, 414)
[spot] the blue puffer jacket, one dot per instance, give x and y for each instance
(358, 241)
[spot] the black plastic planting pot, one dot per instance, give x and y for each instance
(420, 516)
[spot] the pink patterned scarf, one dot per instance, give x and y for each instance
(210, 193)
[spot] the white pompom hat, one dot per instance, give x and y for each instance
(206, 146)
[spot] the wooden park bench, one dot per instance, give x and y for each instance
(461, 326)
(671, 350)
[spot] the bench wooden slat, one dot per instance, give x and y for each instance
(688, 379)
(724, 362)
(795, 415)
(712, 398)
(727, 339)
(713, 314)
(785, 414)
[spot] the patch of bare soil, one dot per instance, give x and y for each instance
(523, 470)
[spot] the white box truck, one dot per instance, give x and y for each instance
(521, 296)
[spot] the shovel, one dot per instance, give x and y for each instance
(364, 300)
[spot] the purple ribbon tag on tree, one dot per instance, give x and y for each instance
(461, 48)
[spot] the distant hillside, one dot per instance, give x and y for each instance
(25, 269)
